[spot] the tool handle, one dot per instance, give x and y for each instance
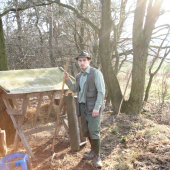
(59, 109)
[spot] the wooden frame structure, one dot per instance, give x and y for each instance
(17, 113)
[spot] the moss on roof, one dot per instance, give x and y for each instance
(32, 80)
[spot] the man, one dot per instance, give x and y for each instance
(90, 88)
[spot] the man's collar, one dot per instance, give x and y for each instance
(86, 71)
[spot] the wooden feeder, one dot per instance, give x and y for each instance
(25, 84)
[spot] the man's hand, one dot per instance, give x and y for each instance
(65, 75)
(95, 113)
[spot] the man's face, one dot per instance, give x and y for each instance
(83, 63)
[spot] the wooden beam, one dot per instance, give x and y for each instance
(51, 104)
(20, 122)
(73, 123)
(14, 112)
(64, 109)
(13, 96)
(64, 122)
(15, 103)
(49, 97)
(3, 147)
(7, 104)
(29, 103)
(59, 123)
(38, 108)
(22, 137)
(46, 93)
(83, 143)
(68, 92)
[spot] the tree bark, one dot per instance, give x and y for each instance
(51, 53)
(105, 56)
(142, 32)
(21, 58)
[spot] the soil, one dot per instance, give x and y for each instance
(127, 142)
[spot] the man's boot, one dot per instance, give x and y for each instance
(96, 147)
(90, 155)
(97, 161)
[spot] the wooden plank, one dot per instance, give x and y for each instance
(83, 143)
(14, 112)
(64, 122)
(51, 104)
(20, 122)
(49, 97)
(46, 93)
(62, 104)
(7, 104)
(38, 108)
(10, 110)
(13, 96)
(64, 109)
(23, 110)
(73, 124)
(29, 103)
(3, 147)
(59, 109)
(15, 103)
(68, 92)
(59, 123)
(82, 138)
(22, 137)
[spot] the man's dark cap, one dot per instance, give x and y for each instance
(83, 53)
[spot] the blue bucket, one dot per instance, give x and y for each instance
(8, 160)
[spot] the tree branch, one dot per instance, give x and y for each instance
(24, 8)
(95, 28)
(152, 46)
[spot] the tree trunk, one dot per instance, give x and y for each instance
(142, 32)
(5, 121)
(3, 55)
(105, 56)
(51, 54)
(21, 58)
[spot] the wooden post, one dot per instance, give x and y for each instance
(51, 104)
(15, 103)
(82, 138)
(73, 124)
(3, 148)
(38, 108)
(20, 122)
(22, 137)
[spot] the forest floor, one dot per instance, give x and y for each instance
(138, 142)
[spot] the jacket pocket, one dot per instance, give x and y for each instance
(91, 92)
(90, 107)
(90, 104)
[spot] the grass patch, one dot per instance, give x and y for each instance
(114, 131)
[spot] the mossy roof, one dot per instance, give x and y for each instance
(32, 80)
